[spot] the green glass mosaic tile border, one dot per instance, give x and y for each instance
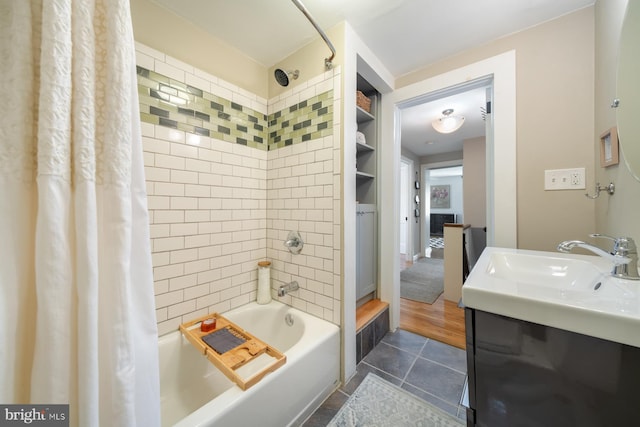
(307, 120)
(168, 102)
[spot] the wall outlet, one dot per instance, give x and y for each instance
(576, 178)
(564, 179)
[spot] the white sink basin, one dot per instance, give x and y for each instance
(566, 291)
(547, 270)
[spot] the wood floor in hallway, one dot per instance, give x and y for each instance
(442, 321)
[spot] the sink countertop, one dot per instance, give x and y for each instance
(566, 291)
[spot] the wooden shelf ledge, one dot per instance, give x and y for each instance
(368, 311)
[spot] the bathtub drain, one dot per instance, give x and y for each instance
(288, 318)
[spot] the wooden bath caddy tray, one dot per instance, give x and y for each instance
(230, 347)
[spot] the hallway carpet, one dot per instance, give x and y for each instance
(423, 281)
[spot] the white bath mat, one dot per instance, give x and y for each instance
(379, 403)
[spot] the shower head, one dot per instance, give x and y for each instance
(282, 77)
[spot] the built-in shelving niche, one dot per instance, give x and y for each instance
(366, 159)
(366, 196)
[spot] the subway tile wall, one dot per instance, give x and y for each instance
(304, 193)
(217, 208)
(303, 185)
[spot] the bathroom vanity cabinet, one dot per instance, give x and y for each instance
(527, 374)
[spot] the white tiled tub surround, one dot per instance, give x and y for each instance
(304, 194)
(217, 208)
(302, 197)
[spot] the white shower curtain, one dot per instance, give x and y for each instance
(76, 290)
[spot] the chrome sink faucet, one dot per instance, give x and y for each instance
(624, 255)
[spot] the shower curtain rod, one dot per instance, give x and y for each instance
(327, 61)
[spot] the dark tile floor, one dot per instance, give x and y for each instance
(431, 370)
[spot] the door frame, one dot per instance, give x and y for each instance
(501, 161)
(410, 250)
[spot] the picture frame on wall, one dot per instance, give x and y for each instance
(609, 148)
(440, 196)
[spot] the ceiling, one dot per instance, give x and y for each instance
(419, 137)
(405, 35)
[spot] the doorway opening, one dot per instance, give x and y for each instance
(442, 182)
(440, 159)
(500, 153)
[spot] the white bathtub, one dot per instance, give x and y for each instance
(194, 392)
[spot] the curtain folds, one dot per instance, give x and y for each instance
(76, 287)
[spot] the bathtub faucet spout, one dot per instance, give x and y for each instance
(285, 289)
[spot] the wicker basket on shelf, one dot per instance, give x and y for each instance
(363, 102)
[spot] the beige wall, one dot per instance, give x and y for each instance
(616, 215)
(165, 31)
(473, 166)
(555, 80)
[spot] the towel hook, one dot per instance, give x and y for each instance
(611, 188)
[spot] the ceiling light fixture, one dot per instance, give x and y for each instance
(448, 123)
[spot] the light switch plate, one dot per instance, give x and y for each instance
(564, 179)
